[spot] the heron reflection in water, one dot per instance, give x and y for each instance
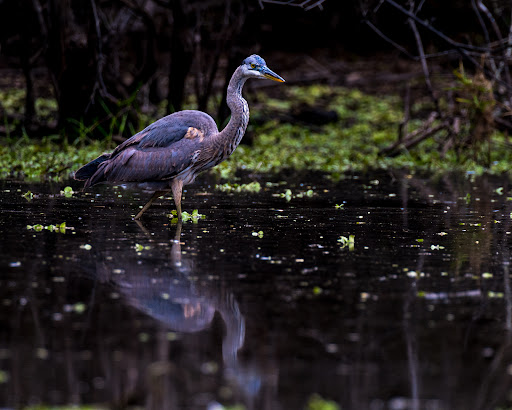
(168, 293)
(172, 151)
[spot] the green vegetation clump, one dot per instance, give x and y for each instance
(253, 187)
(49, 158)
(70, 407)
(316, 402)
(365, 125)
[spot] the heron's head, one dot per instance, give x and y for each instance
(255, 67)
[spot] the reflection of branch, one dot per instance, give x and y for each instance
(493, 378)
(412, 347)
(507, 292)
(505, 263)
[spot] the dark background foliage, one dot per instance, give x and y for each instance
(99, 58)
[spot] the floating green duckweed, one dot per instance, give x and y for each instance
(79, 307)
(289, 195)
(67, 192)
(139, 248)
(259, 234)
(59, 228)
(250, 187)
(28, 195)
(194, 217)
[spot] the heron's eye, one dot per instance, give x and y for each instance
(253, 65)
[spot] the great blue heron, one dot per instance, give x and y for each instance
(172, 151)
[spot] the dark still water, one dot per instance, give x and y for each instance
(397, 298)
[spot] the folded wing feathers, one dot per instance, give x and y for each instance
(159, 152)
(145, 165)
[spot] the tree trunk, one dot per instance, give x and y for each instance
(181, 57)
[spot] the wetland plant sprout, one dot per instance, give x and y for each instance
(259, 234)
(28, 196)
(347, 242)
(139, 248)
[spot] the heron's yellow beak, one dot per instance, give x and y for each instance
(268, 73)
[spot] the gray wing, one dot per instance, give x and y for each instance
(160, 151)
(169, 130)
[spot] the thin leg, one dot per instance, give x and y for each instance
(177, 187)
(155, 196)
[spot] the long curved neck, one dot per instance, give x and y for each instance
(235, 130)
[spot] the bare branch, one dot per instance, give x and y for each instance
(503, 64)
(460, 46)
(99, 84)
(481, 21)
(415, 137)
(423, 60)
(305, 4)
(389, 40)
